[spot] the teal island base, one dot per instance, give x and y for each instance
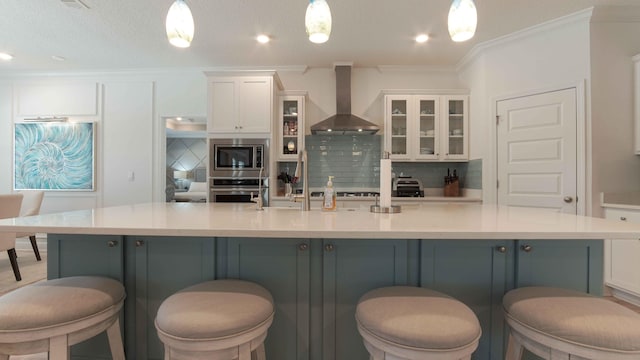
(316, 283)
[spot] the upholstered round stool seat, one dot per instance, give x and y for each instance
(548, 320)
(55, 314)
(416, 323)
(220, 319)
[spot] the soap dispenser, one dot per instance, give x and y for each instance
(329, 201)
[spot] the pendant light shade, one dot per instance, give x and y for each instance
(463, 19)
(318, 21)
(180, 24)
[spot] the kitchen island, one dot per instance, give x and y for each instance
(317, 264)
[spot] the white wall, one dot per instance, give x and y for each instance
(127, 143)
(615, 167)
(6, 138)
(131, 105)
(548, 56)
(366, 87)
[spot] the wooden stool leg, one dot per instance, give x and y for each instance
(514, 349)
(559, 355)
(259, 353)
(34, 245)
(244, 351)
(115, 341)
(13, 258)
(59, 348)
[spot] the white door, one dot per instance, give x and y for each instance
(536, 142)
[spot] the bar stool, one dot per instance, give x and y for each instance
(216, 320)
(50, 316)
(558, 323)
(412, 323)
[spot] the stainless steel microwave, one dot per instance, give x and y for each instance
(238, 157)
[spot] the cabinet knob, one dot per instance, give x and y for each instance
(568, 199)
(303, 247)
(501, 249)
(112, 243)
(139, 243)
(623, 218)
(328, 247)
(526, 248)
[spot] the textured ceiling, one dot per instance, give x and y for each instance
(119, 34)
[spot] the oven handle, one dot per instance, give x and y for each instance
(237, 189)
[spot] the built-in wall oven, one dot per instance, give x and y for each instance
(239, 169)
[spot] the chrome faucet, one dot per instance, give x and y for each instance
(258, 199)
(305, 196)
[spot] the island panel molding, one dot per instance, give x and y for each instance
(316, 283)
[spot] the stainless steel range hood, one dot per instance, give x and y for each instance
(344, 122)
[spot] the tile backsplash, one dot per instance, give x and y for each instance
(355, 163)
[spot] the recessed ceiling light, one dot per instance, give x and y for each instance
(179, 118)
(58, 58)
(5, 56)
(263, 39)
(422, 38)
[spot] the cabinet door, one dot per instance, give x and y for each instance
(475, 272)
(350, 269)
(282, 267)
(427, 114)
(60, 99)
(455, 134)
(223, 114)
(397, 110)
(290, 127)
(74, 255)
(571, 264)
(255, 101)
(163, 266)
(636, 101)
(621, 256)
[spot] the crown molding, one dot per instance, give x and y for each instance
(583, 15)
(408, 68)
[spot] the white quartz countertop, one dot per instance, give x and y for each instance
(416, 221)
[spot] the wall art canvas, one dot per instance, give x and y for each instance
(54, 156)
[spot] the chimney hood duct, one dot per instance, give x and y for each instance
(344, 122)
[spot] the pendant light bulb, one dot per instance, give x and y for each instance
(463, 19)
(317, 20)
(179, 24)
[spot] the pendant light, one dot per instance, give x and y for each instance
(318, 21)
(463, 19)
(180, 24)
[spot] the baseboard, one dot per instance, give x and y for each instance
(625, 296)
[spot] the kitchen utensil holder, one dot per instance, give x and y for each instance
(452, 188)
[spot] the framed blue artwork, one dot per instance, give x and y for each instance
(54, 156)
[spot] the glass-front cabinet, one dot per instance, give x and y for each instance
(397, 127)
(456, 129)
(426, 127)
(290, 125)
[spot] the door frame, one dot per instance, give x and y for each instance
(583, 145)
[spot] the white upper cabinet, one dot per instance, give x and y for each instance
(426, 127)
(56, 99)
(290, 124)
(241, 105)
